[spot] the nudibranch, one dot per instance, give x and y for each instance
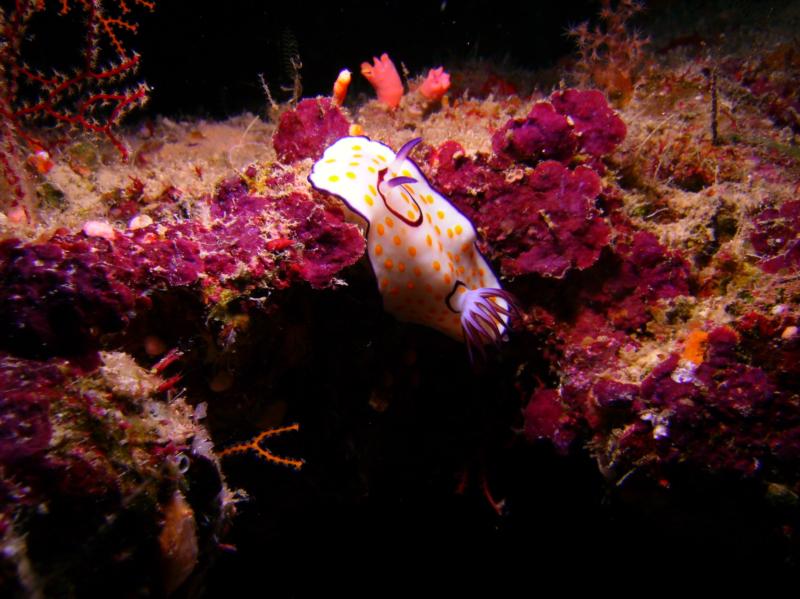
(422, 249)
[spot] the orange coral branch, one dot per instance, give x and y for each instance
(254, 445)
(340, 87)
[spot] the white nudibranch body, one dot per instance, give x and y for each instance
(422, 249)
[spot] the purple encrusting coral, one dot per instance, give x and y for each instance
(722, 415)
(571, 122)
(562, 228)
(307, 130)
(776, 237)
(543, 135)
(598, 127)
(644, 273)
(545, 221)
(59, 295)
(555, 219)
(772, 79)
(26, 390)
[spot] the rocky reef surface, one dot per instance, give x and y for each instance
(156, 313)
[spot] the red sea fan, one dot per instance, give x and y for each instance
(86, 98)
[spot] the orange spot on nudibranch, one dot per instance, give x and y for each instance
(378, 249)
(440, 214)
(401, 266)
(388, 263)
(389, 221)
(436, 265)
(429, 240)
(380, 229)
(350, 175)
(459, 229)
(412, 251)
(396, 239)
(368, 199)
(333, 178)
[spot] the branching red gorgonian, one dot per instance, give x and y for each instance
(90, 97)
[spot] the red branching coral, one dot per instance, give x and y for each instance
(84, 99)
(610, 55)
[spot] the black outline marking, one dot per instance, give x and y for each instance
(415, 223)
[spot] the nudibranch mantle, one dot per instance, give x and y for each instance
(422, 249)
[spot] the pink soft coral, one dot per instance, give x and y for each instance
(435, 85)
(383, 76)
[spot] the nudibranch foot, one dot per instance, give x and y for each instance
(485, 316)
